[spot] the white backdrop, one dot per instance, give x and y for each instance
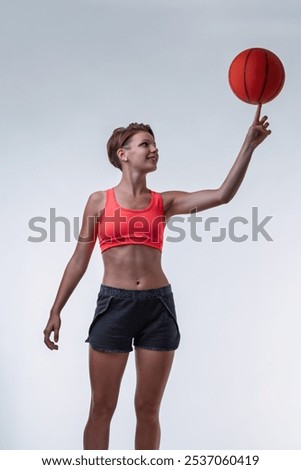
(72, 71)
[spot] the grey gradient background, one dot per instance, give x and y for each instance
(73, 70)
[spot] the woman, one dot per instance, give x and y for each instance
(135, 302)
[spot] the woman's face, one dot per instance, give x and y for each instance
(141, 152)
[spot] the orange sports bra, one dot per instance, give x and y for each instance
(120, 226)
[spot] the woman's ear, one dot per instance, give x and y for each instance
(121, 155)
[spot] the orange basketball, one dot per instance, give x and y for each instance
(256, 76)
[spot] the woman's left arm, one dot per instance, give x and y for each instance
(181, 202)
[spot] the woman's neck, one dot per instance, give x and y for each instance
(133, 184)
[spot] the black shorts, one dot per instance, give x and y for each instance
(144, 318)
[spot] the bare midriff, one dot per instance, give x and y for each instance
(133, 267)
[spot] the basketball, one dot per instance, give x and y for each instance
(256, 76)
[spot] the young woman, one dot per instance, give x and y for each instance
(135, 304)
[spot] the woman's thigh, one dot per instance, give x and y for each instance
(106, 371)
(153, 368)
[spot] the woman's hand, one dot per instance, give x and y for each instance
(259, 130)
(53, 325)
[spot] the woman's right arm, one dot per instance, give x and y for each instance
(77, 265)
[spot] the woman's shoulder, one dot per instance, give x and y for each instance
(167, 197)
(97, 196)
(96, 202)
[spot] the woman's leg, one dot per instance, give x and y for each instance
(106, 371)
(153, 369)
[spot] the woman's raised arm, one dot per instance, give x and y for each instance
(181, 202)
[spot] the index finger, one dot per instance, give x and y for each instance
(257, 114)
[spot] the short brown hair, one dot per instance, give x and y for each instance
(121, 137)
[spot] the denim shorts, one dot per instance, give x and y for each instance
(143, 318)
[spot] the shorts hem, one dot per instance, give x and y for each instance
(107, 350)
(150, 348)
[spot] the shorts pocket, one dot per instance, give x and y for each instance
(103, 302)
(169, 304)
